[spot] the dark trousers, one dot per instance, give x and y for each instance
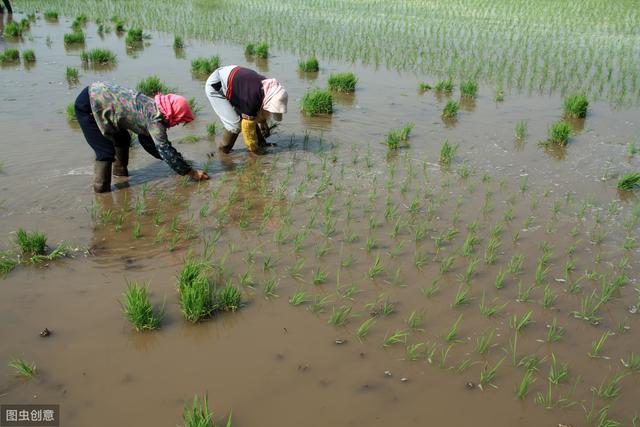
(103, 146)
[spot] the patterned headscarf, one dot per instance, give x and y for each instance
(175, 108)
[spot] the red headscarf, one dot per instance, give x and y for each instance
(175, 108)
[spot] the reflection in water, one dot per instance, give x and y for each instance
(468, 104)
(262, 64)
(344, 99)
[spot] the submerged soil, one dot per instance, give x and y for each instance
(271, 362)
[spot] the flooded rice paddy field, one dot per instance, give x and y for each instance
(378, 285)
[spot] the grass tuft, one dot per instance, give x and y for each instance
(262, 50)
(228, 298)
(447, 152)
(152, 85)
(629, 181)
(178, 43)
(9, 55)
(22, 368)
(575, 106)
(450, 110)
(343, 82)
(204, 66)
(76, 37)
(398, 136)
(51, 15)
(469, 89)
(445, 86)
(99, 57)
(309, 65)
(317, 101)
(134, 37)
(29, 55)
(138, 309)
(559, 134)
(31, 244)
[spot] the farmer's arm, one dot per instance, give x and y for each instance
(169, 154)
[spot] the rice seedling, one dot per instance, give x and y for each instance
(415, 320)
(515, 264)
(9, 55)
(445, 86)
(519, 323)
(99, 57)
(398, 136)
(575, 106)
(298, 298)
(72, 76)
(431, 290)
(450, 111)
(488, 374)
(319, 277)
(376, 268)
(629, 181)
(202, 66)
(596, 346)
(447, 152)
(461, 296)
(198, 415)
(341, 316)
(483, 342)
(7, 263)
(453, 331)
(23, 368)
(316, 102)
(30, 244)
(152, 85)
(15, 29)
(469, 89)
(470, 242)
(229, 298)
(343, 82)
(194, 106)
(51, 15)
(523, 388)
(423, 86)
(491, 309)
(309, 65)
(178, 43)
(29, 55)
(557, 373)
(397, 337)
(559, 134)
(447, 264)
(250, 49)
(609, 388)
(364, 328)
(554, 332)
(632, 362)
(76, 37)
(197, 299)
(138, 309)
(262, 50)
(521, 130)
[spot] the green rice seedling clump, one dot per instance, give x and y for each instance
(575, 106)
(450, 110)
(134, 36)
(15, 29)
(152, 85)
(317, 101)
(71, 113)
(423, 87)
(469, 89)
(309, 65)
(9, 55)
(29, 55)
(76, 37)
(445, 86)
(629, 181)
(250, 49)
(262, 50)
(204, 66)
(196, 299)
(22, 368)
(51, 15)
(447, 152)
(72, 74)
(178, 43)
(228, 298)
(211, 129)
(138, 309)
(398, 136)
(34, 243)
(343, 82)
(559, 133)
(99, 56)
(7, 263)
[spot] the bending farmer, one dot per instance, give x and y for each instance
(107, 112)
(244, 100)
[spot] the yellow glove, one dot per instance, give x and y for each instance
(249, 128)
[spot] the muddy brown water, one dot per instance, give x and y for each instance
(272, 363)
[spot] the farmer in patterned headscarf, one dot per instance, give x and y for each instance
(244, 100)
(107, 112)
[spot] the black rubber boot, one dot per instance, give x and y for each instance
(122, 161)
(228, 140)
(102, 177)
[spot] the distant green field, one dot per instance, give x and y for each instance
(547, 46)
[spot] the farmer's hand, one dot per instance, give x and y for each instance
(198, 175)
(264, 130)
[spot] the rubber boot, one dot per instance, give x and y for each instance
(228, 140)
(122, 161)
(102, 177)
